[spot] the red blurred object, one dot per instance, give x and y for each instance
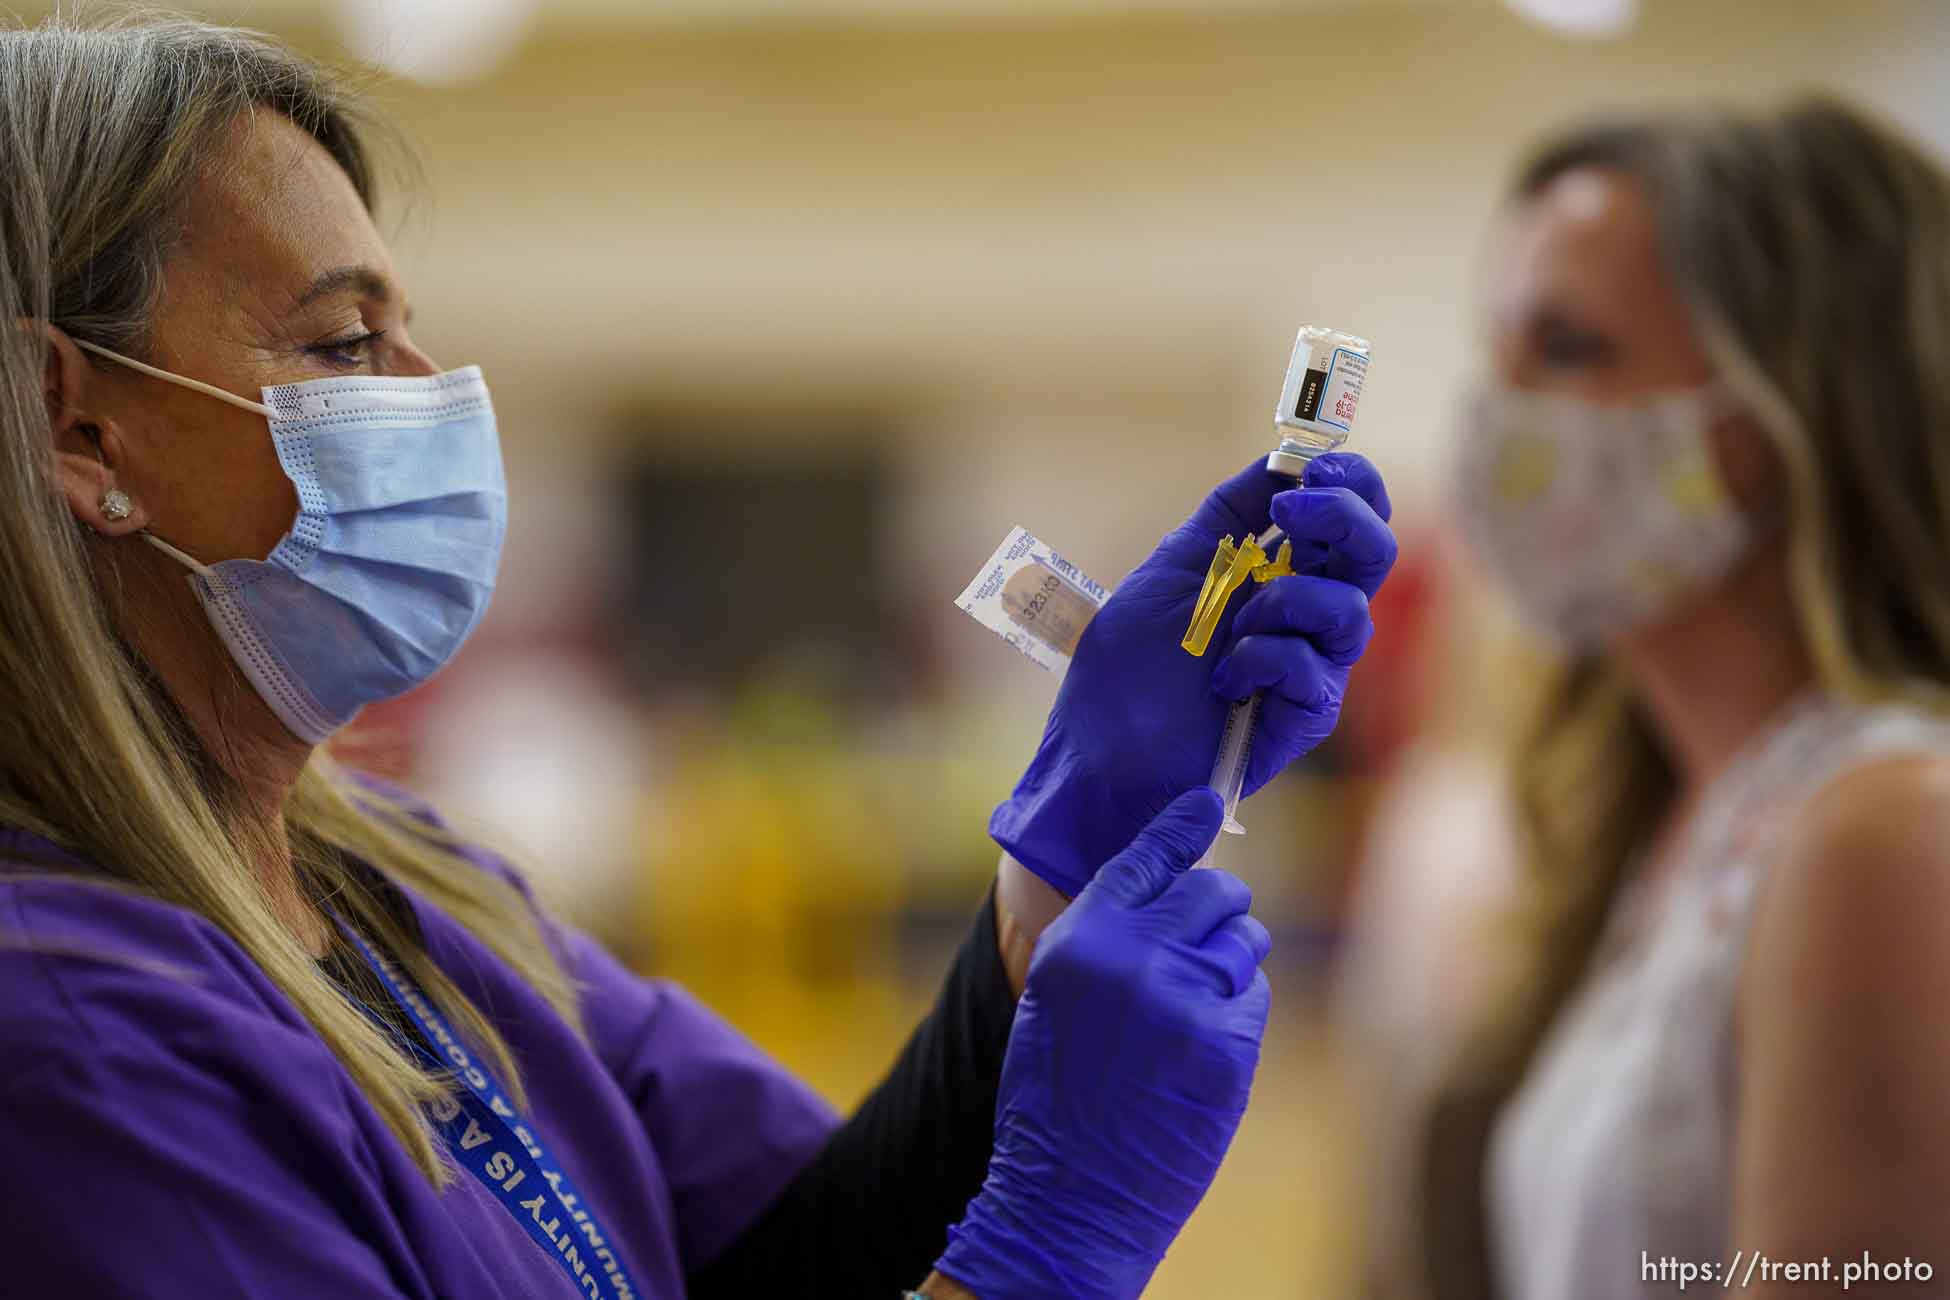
(1391, 690)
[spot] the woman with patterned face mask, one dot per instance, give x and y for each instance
(1712, 464)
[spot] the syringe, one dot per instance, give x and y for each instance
(1315, 414)
(1236, 741)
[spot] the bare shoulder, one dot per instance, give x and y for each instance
(1856, 910)
(1888, 798)
(1877, 836)
(1842, 1141)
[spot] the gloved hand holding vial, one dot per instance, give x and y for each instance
(1138, 720)
(1323, 385)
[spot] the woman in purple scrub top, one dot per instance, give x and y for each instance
(268, 1029)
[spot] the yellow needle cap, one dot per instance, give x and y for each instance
(1281, 567)
(1231, 565)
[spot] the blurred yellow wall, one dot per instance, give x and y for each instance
(1049, 255)
(1058, 254)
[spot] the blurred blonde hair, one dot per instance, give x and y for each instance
(1812, 246)
(102, 132)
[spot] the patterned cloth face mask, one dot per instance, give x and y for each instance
(390, 563)
(1596, 518)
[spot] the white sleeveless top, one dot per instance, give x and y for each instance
(1618, 1144)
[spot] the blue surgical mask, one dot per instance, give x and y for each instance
(392, 558)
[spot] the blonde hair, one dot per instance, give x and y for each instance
(1812, 246)
(103, 130)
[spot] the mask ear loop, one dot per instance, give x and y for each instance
(211, 390)
(189, 562)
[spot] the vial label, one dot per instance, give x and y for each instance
(1322, 388)
(1329, 395)
(1312, 385)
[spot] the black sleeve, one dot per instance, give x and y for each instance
(870, 1215)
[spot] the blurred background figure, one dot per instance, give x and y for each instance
(962, 265)
(1707, 462)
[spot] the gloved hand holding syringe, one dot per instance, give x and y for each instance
(1137, 720)
(1315, 415)
(1110, 796)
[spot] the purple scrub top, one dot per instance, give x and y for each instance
(170, 1126)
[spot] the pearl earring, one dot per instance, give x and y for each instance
(115, 505)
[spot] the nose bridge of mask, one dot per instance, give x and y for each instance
(1595, 443)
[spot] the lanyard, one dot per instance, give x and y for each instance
(486, 1135)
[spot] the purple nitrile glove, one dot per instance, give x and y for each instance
(1137, 720)
(1129, 1066)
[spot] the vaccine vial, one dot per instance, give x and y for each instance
(1323, 386)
